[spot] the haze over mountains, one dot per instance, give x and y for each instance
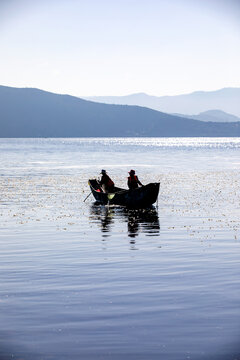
(35, 113)
(212, 115)
(227, 100)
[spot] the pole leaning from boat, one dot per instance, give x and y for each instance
(87, 197)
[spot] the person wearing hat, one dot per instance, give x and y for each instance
(133, 181)
(106, 182)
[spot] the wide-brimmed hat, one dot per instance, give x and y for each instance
(103, 172)
(132, 172)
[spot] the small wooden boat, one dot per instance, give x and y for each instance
(139, 198)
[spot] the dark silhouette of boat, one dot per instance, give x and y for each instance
(139, 198)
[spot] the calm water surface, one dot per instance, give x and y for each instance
(80, 281)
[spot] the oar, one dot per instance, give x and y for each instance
(87, 197)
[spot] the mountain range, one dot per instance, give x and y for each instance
(27, 112)
(212, 115)
(227, 100)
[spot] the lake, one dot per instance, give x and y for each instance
(80, 281)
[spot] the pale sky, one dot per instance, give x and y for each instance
(119, 47)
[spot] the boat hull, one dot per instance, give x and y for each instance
(139, 198)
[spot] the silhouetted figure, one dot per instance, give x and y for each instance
(133, 181)
(106, 182)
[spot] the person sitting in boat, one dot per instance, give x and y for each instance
(133, 180)
(106, 182)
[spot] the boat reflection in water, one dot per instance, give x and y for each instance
(141, 220)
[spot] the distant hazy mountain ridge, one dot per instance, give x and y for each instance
(36, 113)
(227, 100)
(212, 115)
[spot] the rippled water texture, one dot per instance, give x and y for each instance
(80, 281)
